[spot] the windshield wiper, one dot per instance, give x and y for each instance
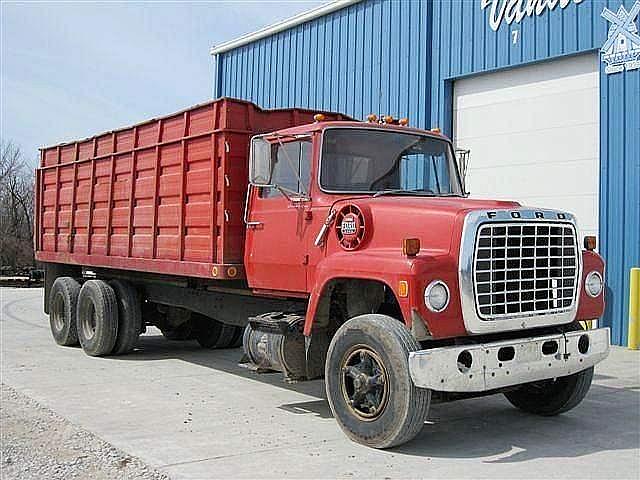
(402, 191)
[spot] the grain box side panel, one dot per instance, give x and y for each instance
(169, 202)
(48, 208)
(118, 235)
(99, 206)
(50, 156)
(200, 120)
(198, 212)
(64, 207)
(143, 204)
(81, 220)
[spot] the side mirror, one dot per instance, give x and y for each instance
(260, 167)
(463, 156)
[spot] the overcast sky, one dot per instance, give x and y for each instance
(70, 70)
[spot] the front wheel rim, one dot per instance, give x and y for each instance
(364, 382)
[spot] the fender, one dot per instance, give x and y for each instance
(365, 265)
(590, 308)
(388, 267)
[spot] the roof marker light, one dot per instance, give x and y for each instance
(319, 117)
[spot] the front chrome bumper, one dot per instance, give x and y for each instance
(489, 366)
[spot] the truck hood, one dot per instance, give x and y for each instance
(433, 220)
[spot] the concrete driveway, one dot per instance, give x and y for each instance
(194, 413)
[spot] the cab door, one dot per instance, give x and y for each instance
(277, 226)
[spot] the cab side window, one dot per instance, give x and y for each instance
(291, 169)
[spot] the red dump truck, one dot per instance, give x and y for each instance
(328, 248)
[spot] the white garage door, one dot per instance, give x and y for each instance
(534, 133)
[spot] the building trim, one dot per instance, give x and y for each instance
(281, 26)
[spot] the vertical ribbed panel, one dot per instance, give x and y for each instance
(401, 58)
(369, 57)
(619, 191)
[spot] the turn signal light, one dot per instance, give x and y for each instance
(403, 121)
(403, 289)
(410, 247)
(318, 117)
(372, 118)
(590, 242)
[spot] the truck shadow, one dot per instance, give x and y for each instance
(156, 347)
(491, 429)
(488, 428)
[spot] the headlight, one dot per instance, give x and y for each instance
(593, 284)
(436, 296)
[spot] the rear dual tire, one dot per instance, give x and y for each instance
(62, 311)
(103, 317)
(97, 318)
(129, 317)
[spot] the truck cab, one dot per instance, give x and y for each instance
(368, 222)
(384, 203)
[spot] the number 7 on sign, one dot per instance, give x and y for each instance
(514, 35)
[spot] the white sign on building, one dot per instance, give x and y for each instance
(622, 49)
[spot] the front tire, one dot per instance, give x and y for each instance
(97, 320)
(368, 385)
(63, 301)
(552, 397)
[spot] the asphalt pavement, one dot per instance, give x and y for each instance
(194, 413)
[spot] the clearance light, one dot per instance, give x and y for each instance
(403, 121)
(319, 117)
(590, 243)
(436, 130)
(372, 118)
(403, 288)
(388, 119)
(410, 247)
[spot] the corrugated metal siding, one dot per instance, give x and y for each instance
(619, 191)
(401, 57)
(372, 56)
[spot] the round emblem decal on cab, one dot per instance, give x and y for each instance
(350, 227)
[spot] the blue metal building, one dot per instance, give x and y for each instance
(434, 60)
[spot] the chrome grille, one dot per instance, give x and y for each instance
(523, 269)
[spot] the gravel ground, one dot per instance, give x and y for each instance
(36, 443)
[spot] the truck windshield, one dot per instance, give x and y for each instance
(376, 161)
